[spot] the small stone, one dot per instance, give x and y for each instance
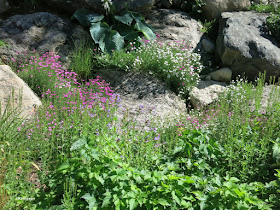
(221, 75)
(208, 46)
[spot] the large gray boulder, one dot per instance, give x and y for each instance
(173, 25)
(245, 46)
(40, 31)
(214, 8)
(15, 92)
(70, 6)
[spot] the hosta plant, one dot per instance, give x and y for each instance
(111, 34)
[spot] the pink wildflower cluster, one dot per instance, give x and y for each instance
(67, 102)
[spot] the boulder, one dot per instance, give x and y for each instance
(245, 46)
(41, 31)
(14, 91)
(206, 92)
(138, 90)
(4, 6)
(221, 75)
(208, 46)
(214, 8)
(176, 25)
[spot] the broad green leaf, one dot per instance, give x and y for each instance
(146, 30)
(125, 19)
(98, 31)
(132, 204)
(63, 167)
(94, 154)
(91, 201)
(111, 40)
(163, 202)
(127, 32)
(78, 144)
(99, 178)
(106, 201)
(175, 197)
(87, 17)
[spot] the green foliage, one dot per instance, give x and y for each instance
(273, 20)
(111, 35)
(273, 23)
(2, 43)
(102, 182)
(82, 59)
(193, 7)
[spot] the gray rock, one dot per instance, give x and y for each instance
(221, 75)
(11, 84)
(4, 6)
(208, 46)
(245, 46)
(175, 25)
(138, 89)
(206, 92)
(214, 8)
(166, 3)
(40, 31)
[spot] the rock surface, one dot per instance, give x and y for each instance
(245, 46)
(40, 31)
(206, 92)
(208, 46)
(175, 25)
(11, 83)
(137, 90)
(214, 8)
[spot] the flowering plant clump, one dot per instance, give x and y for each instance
(67, 103)
(176, 63)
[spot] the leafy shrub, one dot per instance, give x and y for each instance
(110, 36)
(101, 182)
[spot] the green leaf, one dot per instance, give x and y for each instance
(125, 19)
(98, 31)
(132, 204)
(63, 167)
(91, 201)
(163, 202)
(94, 154)
(146, 30)
(87, 17)
(276, 150)
(175, 197)
(78, 144)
